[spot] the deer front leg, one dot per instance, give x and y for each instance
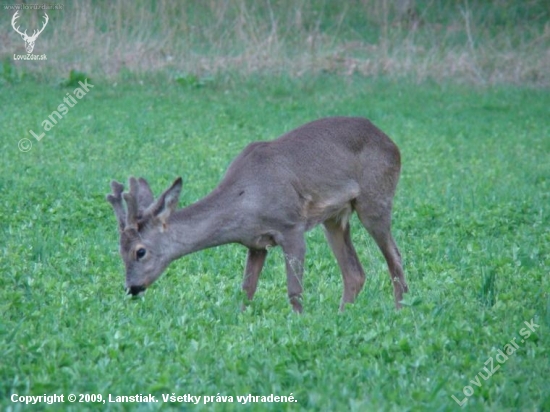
(254, 264)
(294, 249)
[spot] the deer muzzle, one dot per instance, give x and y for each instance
(136, 290)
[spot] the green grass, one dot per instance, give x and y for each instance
(473, 41)
(471, 218)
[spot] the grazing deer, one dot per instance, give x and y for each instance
(272, 193)
(29, 40)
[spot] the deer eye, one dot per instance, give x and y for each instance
(140, 253)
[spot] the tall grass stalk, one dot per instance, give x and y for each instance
(406, 38)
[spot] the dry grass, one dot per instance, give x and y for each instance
(505, 42)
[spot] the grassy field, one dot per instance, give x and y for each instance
(471, 217)
(474, 41)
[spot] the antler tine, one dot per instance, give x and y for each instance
(37, 32)
(132, 204)
(115, 199)
(43, 26)
(15, 17)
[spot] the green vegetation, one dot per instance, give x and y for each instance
(471, 218)
(501, 41)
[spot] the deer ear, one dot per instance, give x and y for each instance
(167, 202)
(145, 195)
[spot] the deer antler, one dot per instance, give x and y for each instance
(131, 199)
(15, 17)
(138, 199)
(37, 32)
(145, 196)
(115, 199)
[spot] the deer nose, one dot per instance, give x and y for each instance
(135, 290)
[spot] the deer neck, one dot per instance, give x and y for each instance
(209, 222)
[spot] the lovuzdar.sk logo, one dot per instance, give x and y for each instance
(29, 40)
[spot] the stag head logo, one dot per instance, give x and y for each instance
(29, 40)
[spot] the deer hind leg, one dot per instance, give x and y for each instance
(294, 249)
(254, 264)
(339, 239)
(376, 217)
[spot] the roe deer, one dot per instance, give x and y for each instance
(272, 193)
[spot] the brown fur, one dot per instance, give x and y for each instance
(272, 193)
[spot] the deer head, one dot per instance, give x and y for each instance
(142, 245)
(29, 40)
